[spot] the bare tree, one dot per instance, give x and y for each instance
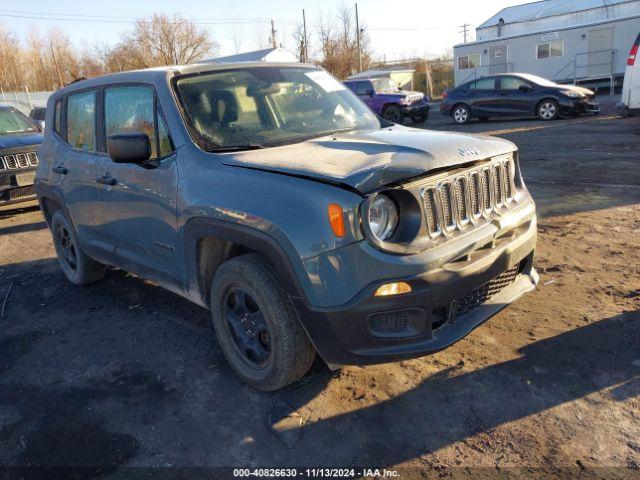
(339, 43)
(165, 40)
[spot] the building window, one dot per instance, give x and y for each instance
(469, 61)
(550, 50)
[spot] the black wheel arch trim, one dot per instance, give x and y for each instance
(274, 250)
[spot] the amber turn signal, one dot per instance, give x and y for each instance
(395, 288)
(336, 219)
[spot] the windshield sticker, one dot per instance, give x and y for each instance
(325, 81)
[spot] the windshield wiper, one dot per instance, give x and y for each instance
(236, 148)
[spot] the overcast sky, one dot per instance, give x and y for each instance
(397, 29)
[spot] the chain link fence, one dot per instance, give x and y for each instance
(25, 100)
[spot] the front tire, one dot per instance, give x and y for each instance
(461, 114)
(420, 118)
(76, 265)
(548, 110)
(393, 114)
(256, 325)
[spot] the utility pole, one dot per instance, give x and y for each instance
(358, 40)
(274, 40)
(55, 61)
(465, 30)
(304, 29)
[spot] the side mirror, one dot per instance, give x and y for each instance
(129, 147)
(524, 88)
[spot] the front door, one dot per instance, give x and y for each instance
(515, 97)
(600, 56)
(139, 200)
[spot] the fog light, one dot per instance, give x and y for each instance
(395, 288)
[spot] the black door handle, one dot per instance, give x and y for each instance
(60, 169)
(106, 180)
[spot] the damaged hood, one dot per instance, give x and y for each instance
(369, 160)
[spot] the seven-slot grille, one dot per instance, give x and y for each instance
(452, 202)
(17, 161)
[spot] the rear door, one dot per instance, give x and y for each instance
(140, 200)
(483, 97)
(513, 100)
(74, 171)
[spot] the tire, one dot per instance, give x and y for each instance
(76, 265)
(420, 118)
(393, 114)
(548, 110)
(461, 114)
(256, 325)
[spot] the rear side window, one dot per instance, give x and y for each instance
(133, 109)
(81, 120)
(483, 84)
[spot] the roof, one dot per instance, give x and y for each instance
(266, 55)
(545, 9)
(158, 74)
(378, 73)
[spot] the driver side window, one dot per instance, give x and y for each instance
(132, 109)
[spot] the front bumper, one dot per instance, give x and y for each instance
(10, 190)
(425, 321)
(414, 110)
(578, 106)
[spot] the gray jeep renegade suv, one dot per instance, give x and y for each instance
(271, 195)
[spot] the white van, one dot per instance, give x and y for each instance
(630, 104)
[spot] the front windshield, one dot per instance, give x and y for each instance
(385, 85)
(268, 106)
(543, 82)
(12, 121)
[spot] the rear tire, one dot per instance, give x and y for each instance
(548, 110)
(461, 114)
(76, 265)
(257, 326)
(393, 114)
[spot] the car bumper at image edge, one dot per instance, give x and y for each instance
(343, 335)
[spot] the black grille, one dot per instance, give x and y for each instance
(486, 189)
(451, 202)
(461, 202)
(389, 322)
(430, 211)
(445, 201)
(497, 184)
(480, 295)
(474, 190)
(19, 192)
(19, 160)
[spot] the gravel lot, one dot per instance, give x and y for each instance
(123, 373)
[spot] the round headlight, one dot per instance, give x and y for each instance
(383, 217)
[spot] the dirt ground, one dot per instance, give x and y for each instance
(124, 374)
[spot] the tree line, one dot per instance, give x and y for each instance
(47, 62)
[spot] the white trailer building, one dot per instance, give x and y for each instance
(567, 41)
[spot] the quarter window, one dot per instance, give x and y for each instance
(469, 61)
(57, 117)
(550, 50)
(81, 120)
